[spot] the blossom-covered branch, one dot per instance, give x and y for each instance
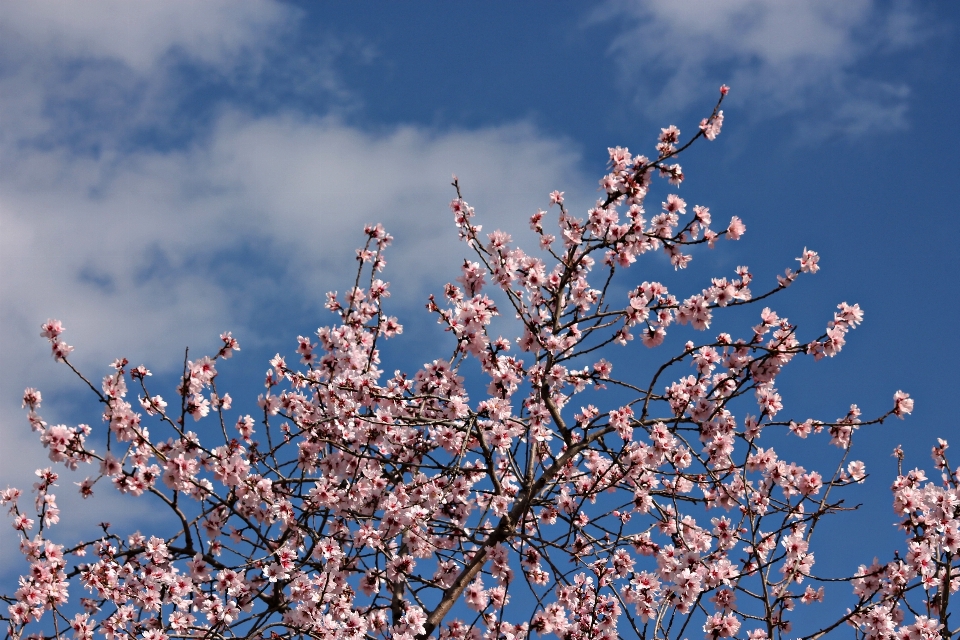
(550, 495)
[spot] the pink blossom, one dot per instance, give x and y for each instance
(902, 404)
(808, 261)
(711, 126)
(736, 228)
(51, 329)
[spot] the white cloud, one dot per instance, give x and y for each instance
(314, 183)
(141, 34)
(92, 76)
(804, 59)
(84, 237)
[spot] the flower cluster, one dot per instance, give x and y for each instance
(550, 496)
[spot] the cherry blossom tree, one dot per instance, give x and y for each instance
(544, 496)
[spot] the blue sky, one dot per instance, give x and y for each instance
(173, 170)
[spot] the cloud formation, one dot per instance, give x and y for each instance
(803, 59)
(140, 34)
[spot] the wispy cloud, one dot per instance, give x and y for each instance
(140, 35)
(103, 77)
(810, 60)
(90, 239)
